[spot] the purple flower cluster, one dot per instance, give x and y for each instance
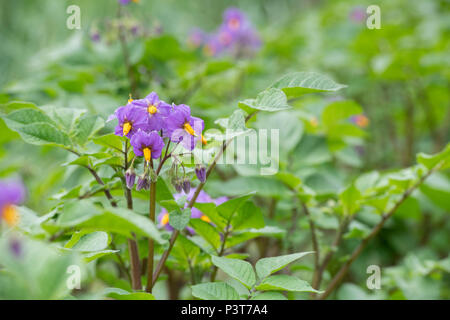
(11, 193)
(147, 122)
(203, 197)
(235, 35)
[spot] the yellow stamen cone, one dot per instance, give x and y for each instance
(204, 141)
(10, 215)
(126, 128)
(205, 218)
(147, 154)
(165, 219)
(152, 109)
(189, 129)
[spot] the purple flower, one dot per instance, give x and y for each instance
(11, 193)
(131, 119)
(196, 38)
(358, 14)
(184, 128)
(95, 36)
(163, 219)
(225, 37)
(157, 110)
(146, 144)
(213, 46)
(235, 19)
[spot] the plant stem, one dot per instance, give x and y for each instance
(344, 269)
(151, 242)
(318, 274)
(222, 249)
(315, 243)
(132, 243)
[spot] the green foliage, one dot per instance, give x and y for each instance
(344, 158)
(243, 272)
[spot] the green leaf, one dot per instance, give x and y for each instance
(235, 125)
(87, 127)
(285, 282)
(266, 266)
(26, 116)
(229, 208)
(299, 83)
(15, 105)
(40, 273)
(179, 219)
(90, 256)
(350, 198)
(431, 161)
(214, 291)
(94, 241)
(110, 141)
(237, 269)
(85, 214)
(185, 250)
(269, 100)
(210, 210)
(35, 127)
(269, 295)
(357, 230)
(207, 232)
(120, 294)
(248, 216)
(339, 111)
(43, 134)
(65, 119)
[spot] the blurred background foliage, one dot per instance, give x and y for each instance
(398, 77)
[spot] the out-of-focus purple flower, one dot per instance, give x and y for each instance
(235, 19)
(163, 219)
(196, 37)
(143, 182)
(200, 172)
(203, 197)
(212, 47)
(12, 192)
(125, 2)
(220, 200)
(358, 14)
(130, 177)
(184, 128)
(15, 247)
(95, 36)
(360, 120)
(156, 109)
(131, 119)
(146, 144)
(235, 36)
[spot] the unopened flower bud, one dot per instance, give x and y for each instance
(178, 185)
(200, 172)
(186, 185)
(143, 183)
(130, 177)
